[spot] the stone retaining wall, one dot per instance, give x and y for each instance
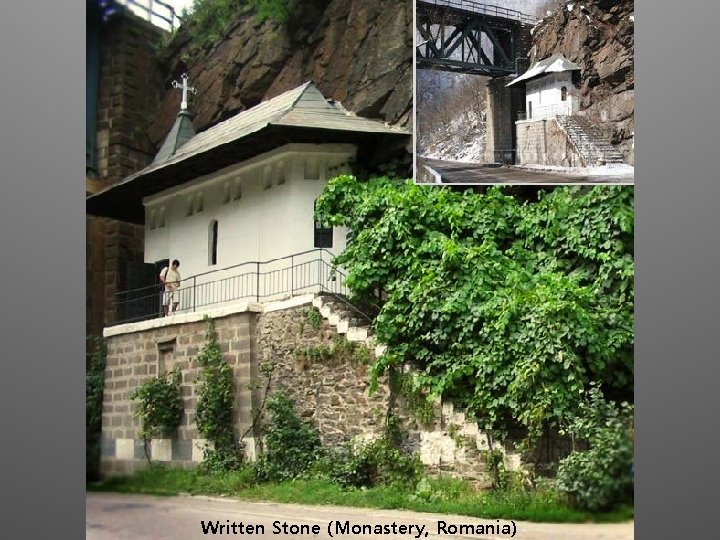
(543, 142)
(271, 351)
(134, 357)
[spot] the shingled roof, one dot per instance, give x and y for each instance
(299, 115)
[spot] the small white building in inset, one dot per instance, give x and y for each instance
(550, 90)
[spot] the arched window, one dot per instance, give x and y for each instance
(563, 93)
(212, 242)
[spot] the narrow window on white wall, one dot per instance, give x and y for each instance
(198, 203)
(226, 192)
(213, 242)
(190, 205)
(161, 217)
(237, 189)
(563, 93)
(151, 218)
(280, 174)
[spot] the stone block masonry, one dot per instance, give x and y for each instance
(130, 91)
(136, 356)
(543, 142)
(330, 391)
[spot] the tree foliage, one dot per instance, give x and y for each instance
(160, 406)
(291, 445)
(95, 360)
(509, 306)
(210, 18)
(600, 477)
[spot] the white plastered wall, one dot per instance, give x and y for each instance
(263, 206)
(545, 95)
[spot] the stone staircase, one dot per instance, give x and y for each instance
(454, 439)
(346, 320)
(589, 141)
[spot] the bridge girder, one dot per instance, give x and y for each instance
(491, 42)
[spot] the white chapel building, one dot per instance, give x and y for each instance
(235, 203)
(549, 88)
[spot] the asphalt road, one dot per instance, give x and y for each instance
(111, 516)
(455, 172)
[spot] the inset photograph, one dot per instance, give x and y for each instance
(524, 92)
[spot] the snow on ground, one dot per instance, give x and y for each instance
(462, 141)
(612, 169)
(471, 152)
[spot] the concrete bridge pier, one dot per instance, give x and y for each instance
(503, 106)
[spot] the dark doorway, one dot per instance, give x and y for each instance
(140, 300)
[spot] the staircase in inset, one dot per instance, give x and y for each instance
(591, 144)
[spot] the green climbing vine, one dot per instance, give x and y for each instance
(215, 405)
(339, 351)
(160, 406)
(508, 302)
(95, 360)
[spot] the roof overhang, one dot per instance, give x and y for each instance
(124, 200)
(553, 64)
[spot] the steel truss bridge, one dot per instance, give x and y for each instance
(471, 37)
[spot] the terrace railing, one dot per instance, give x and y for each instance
(301, 273)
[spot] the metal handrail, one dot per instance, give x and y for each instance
(249, 280)
(247, 263)
(543, 112)
(485, 9)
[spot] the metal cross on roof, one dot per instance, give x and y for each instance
(185, 88)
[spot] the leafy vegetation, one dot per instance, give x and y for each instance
(443, 495)
(373, 463)
(601, 476)
(209, 19)
(160, 406)
(215, 405)
(291, 445)
(95, 360)
(339, 351)
(508, 306)
(512, 304)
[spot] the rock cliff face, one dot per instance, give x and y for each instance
(598, 35)
(358, 52)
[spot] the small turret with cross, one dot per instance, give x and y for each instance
(185, 88)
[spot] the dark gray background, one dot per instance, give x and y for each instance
(43, 277)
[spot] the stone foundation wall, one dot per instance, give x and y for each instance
(332, 393)
(271, 352)
(543, 142)
(134, 357)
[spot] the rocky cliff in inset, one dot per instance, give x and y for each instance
(358, 52)
(598, 35)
